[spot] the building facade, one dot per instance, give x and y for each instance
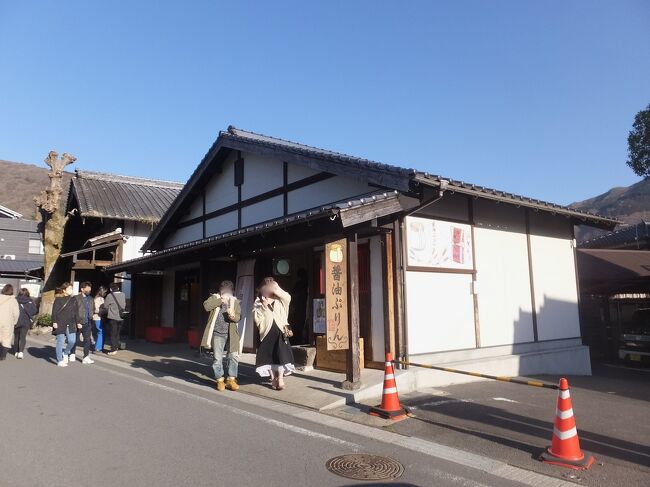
(439, 270)
(21, 252)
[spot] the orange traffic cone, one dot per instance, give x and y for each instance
(390, 407)
(565, 445)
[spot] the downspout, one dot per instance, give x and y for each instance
(403, 333)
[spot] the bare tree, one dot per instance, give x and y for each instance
(53, 220)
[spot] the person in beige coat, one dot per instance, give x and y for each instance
(9, 314)
(274, 356)
(221, 334)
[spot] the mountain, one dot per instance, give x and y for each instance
(630, 204)
(19, 183)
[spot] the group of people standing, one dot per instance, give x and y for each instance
(270, 312)
(87, 314)
(71, 314)
(16, 316)
(79, 313)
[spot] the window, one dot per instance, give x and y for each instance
(36, 247)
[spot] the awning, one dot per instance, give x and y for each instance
(348, 212)
(607, 271)
(20, 268)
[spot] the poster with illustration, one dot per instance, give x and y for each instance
(438, 244)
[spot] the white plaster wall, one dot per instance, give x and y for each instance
(221, 190)
(504, 300)
(221, 224)
(260, 212)
(185, 235)
(167, 311)
(377, 300)
(196, 209)
(261, 174)
(296, 172)
(556, 293)
(501, 259)
(440, 312)
(328, 191)
(137, 234)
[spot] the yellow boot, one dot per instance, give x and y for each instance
(231, 383)
(221, 386)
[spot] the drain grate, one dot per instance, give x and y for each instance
(365, 467)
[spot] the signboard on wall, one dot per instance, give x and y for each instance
(438, 244)
(319, 318)
(336, 295)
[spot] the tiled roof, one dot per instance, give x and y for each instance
(383, 175)
(123, 197)
(234, 133)
(285, 221)
(629, 237)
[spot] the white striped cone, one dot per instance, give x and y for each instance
(390, 406)
(565, 444)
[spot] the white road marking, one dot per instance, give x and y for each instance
(504, 399)
(440, 403)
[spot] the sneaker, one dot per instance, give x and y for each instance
(231, 384)
(62, 363)
(19, 355)
(112, 352)
(221, 386)
(72, 358)
(65, 359)
(87, 360)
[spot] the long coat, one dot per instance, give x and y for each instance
(232, 316)
(9, 312)
(265, 316)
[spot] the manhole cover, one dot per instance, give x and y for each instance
(365, 467)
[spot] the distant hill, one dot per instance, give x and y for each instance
(19, 183)
(630, 204)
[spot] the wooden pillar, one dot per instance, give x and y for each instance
(353, 358)
(389, 293)
(204, 285)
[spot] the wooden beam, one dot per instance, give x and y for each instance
(353, 362)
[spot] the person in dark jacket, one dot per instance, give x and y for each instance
(115, 304)
(65, 323)
(86, 307)
(27, 312)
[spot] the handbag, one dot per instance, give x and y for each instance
(123, 312)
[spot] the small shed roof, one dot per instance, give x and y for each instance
(101, 195)
(629, 237)
(12, 268)
(9, 213)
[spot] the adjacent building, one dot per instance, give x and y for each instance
(21, 252)
(439, 270)
(109, 219)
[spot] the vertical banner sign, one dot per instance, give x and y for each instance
(336, 295)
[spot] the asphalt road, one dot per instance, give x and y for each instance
(514, 423)
(113, 425)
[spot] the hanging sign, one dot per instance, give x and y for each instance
(336, 295)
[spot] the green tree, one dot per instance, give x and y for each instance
(638, 144)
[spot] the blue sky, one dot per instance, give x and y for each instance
(530, 97)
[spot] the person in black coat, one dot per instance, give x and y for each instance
(65, 323)
(25, 319)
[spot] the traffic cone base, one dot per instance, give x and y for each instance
(565, 444)
(390, 407)
(583, 464)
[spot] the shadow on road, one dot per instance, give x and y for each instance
(499, 418)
